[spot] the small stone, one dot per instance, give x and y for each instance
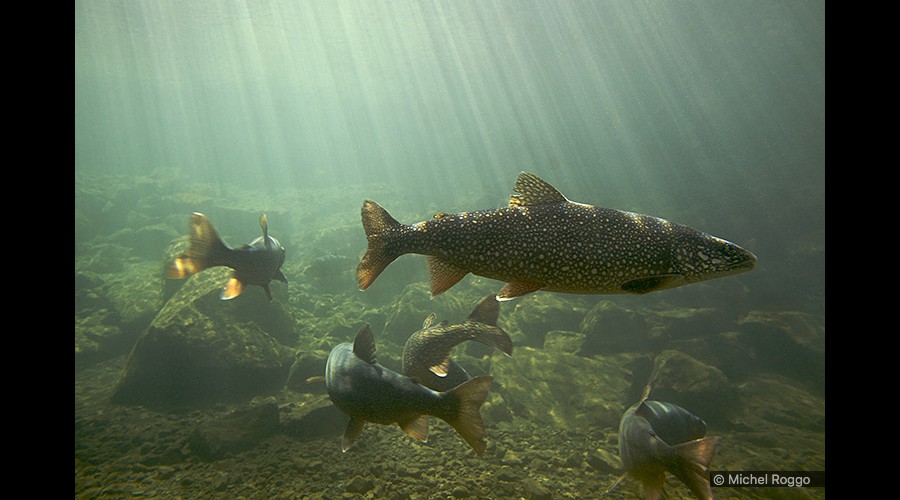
(536, 491)
(359, 485)
(461, 492)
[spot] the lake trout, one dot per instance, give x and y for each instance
(368, 392)
(543, 241)
(426, 355)
(656, 437)
(256, 263)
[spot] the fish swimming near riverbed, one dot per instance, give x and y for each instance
(426, 355)
(368, 392)
(543, 241)
(657, 437)
(256, 263)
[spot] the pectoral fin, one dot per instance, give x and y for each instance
(354, 429)
(416, 428)
(441, 368)
(516, 289)
(650, 284)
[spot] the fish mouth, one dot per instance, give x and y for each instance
(745, 265)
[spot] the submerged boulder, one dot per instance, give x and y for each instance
(690, 383)
(200, 349)
(239, 430)
(561, 389)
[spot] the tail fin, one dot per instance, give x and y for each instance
(205, 250)
(692, 464)
(486, 312)
(467, 418)
(379, 226)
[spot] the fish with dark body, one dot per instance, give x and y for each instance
(543, 241)
(368, 392)
(657, 437)
(256, 263)
(426, 355)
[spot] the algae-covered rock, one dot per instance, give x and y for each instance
(776, 400)
(562, 389)
(537, 314)
(147, 242)
(331, 273)
(239, 430)
(310, 416)
(306, 365)
(198, 349)
(610, 328)
(98, 337)
(564, 341)
(692, 384)
(789, 343)
(136, 294)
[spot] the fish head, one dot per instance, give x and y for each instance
(701, 257)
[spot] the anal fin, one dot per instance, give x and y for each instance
(354, 429)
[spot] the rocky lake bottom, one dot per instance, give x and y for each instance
(181, 395)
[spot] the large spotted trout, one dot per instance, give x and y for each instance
(543, 241)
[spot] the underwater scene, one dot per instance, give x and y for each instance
(449, 249)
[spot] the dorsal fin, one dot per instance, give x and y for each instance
(264, 223)
(534, 191)
(364, 344)
(429, 320)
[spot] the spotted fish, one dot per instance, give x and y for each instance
(426, 355)
(255, 264)
(368, 392)
(656, 437)
(543, 241)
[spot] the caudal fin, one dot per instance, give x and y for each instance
(692, 464)
(466, 418)
(379, 227)
(205, 249)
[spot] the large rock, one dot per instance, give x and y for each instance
(562, 389)
(786, 342)
(112, 310)
(701, 388)
(239, 430)
(610, 328)
(535, 315)
(200, 349)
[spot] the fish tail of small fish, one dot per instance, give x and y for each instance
(206, 249)
(380, 229)
(691, 465)
(467, 399)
